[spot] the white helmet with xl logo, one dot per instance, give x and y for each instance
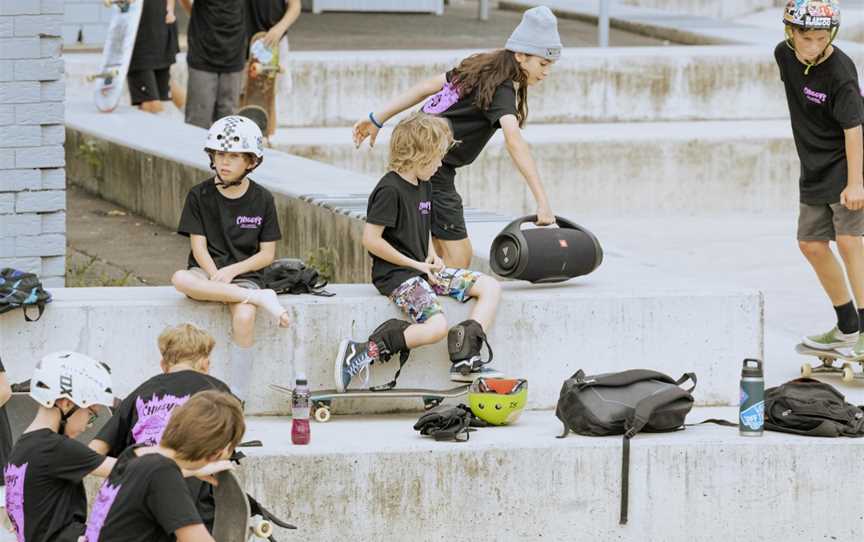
(73, 376)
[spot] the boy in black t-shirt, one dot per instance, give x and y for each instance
(217, 45)
(232, 225)
(45, 498)
(483, 93)
(406, 268)
(827, 112)
(145, 498)
(143, 415)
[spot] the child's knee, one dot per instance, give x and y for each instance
(182, 279)
(814, 249)
(437, 326)
(488, 288)
(243, 319)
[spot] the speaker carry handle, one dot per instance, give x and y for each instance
(560, 221)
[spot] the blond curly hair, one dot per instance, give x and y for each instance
(419, 140)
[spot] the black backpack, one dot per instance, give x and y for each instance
(21, 290)
(624, 403)
(808, 407)
(292, 276)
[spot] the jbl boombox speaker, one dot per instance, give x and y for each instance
(542, 255)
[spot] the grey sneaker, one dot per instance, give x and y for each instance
(352, 359)
(469, 370)
(831, 339)
(858, 349)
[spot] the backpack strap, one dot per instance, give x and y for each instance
(623, 378)
(39, 306)
(641, 415)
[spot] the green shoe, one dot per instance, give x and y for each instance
(858, 350)
(833, 339)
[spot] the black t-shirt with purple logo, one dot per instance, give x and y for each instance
(822, 104)
(472, 127)
(143, 415)
(234, 228)
(44, 490)
(405, 211)
(145, 499)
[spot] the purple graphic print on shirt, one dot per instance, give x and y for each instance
(101, 507)
(442, 100)
(14, 477)
(153, 416)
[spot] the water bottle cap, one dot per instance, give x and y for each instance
(752, 368)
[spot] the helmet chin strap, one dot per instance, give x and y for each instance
(809, 65)
(61, 430)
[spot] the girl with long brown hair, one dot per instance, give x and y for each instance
(485, 92)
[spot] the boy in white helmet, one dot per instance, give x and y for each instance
(232, 225)
(827, 113)
(45, 498)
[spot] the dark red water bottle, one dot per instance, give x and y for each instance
(300, 430)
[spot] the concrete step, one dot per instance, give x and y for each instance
(336, 88)
(646, 168)
(544, 334)
(375, 479)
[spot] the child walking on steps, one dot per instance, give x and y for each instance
(483, 93)
(827, 113)
(407, 269)
(232, 225)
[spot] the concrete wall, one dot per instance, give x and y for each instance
(32, 178)
(720, 9)
(85, 23)
(648, 168)
(544, 334)
(336, 88)
(375, 480)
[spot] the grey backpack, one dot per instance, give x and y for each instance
(624, 403)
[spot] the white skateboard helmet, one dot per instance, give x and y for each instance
(73, 376)
(235, 134)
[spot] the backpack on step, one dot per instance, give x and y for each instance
(624, 403)
(292, 276)
(22, 290)
(808, 407)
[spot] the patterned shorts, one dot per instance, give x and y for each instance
(418, 297)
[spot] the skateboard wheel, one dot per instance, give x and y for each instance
(322, 414)
(806, 370)
(848, 374)
(263, 529)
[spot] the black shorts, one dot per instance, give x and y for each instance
(448, 216)
(149, 85)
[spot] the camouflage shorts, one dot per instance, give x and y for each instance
(418, 297)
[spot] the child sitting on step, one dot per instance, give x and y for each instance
(232, 226)
(406, 268)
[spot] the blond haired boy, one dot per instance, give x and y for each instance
(406, 268)
(145, 498)
(142, 417)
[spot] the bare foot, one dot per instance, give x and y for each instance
(267, 300)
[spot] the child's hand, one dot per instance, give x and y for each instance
(207, 472)
(545, 216)
(853, 197)
(225, 275)
(426, 268)
(363, 129)
(436, 262)
(170, 18)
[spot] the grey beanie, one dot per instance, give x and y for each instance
(537, 34)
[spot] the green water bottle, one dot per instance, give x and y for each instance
(751, 414)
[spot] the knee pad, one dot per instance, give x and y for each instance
(465, 341)
(389, 337)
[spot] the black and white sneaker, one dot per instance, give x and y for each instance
(352, 359)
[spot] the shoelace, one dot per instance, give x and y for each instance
(360, 364)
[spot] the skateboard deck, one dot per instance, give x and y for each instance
(320, 400)
(262, 70)
(829, 359)
(256, 114)
(233, 522)
(21, 409)
(117, 53)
